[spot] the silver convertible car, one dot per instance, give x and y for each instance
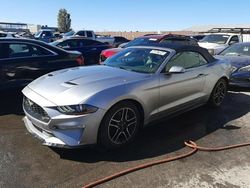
(108, 104)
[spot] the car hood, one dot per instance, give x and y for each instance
(236, 61)
(209, 45)
(75, 85)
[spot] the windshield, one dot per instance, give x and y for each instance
(237, 50)
(219, 39)
(138, 60)
(141, 41)
(38, 33)
(70, 33)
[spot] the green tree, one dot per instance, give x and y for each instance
(63, 20)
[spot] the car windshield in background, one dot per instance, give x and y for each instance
(68, 34)
(141, 41)
(219, 39)
(237, 50)
(138, 60)
(38, 33)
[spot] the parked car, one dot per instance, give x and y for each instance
(150, 39)
(26, 35)
(109, 104)
(217, 39)
(45, 35)
(90, 49)
(91, 35)
(239, 57)
(119, 40)
(23, 60)
(7, 35)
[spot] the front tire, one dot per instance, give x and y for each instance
(218, 94)
(119, 126)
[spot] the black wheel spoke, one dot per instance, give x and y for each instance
(131, 121)
(126, 135)
(116, 134)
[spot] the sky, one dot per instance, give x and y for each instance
(128, 15)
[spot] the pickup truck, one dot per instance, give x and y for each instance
(217, 39)
(91, 35)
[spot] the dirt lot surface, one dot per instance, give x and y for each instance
(24, 162)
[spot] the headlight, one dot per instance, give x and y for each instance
(244, 69)
(211, 51)
(79, 109)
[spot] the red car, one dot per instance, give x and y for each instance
(150, 39)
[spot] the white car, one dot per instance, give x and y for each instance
(6, 35)
(217, 39)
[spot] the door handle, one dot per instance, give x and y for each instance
(201, 75)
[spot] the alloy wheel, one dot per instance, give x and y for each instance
(220, 93)
(122, 126)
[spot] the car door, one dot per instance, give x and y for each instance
(24, 63)
(181, 90)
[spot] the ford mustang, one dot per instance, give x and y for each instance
(109, 104)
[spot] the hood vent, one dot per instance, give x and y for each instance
(69, 84)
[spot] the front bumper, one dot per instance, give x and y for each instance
(240, 81)
(44, 137)
(239, 84)
(68, 131)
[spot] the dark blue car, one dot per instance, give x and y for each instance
(45, 35)
(90, 49)
(239, 56)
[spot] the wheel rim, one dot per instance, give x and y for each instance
(122, 125)
(219, 93)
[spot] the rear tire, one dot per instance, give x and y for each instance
(218, 94)
(119, 126)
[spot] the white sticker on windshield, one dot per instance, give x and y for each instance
(225, 36)
(246, 49)
(158, 52)
(152, 39)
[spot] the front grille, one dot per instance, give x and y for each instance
(35, 110)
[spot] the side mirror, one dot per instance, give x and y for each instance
(176, 70)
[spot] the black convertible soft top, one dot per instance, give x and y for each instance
(180, 48)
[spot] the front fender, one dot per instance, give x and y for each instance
(144, 92)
